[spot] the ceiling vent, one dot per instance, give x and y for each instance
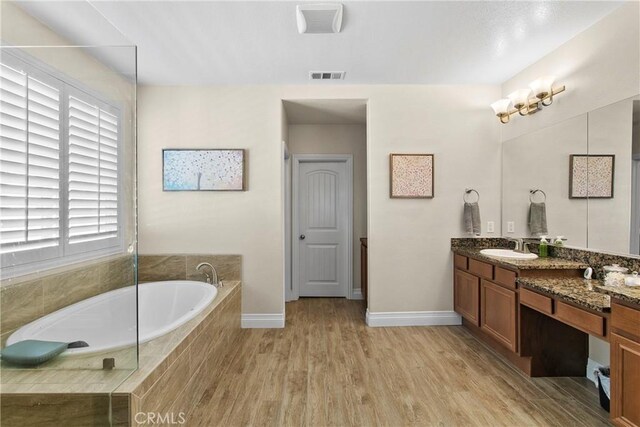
(326, 75)
(319, 18)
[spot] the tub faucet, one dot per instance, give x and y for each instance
(211, 278)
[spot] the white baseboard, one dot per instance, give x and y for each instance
(413, 318)
(257, 321)
(356, 294)
(592, 365)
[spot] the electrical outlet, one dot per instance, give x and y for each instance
(491, 227)
(511, 227)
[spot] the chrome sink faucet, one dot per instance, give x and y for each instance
(521, 245)
(211, 278)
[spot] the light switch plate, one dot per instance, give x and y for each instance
(511, 227)
(491, 227)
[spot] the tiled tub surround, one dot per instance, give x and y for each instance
(27, 298)
(152, 268)
(171, 378)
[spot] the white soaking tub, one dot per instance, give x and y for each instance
(108, 321)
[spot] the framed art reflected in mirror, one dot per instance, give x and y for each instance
(591, 176)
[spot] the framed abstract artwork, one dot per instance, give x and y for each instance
(411, 176)
(591, 176)
(203, 170)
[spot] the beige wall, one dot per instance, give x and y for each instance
(409, 247)
(340, 139)
(599, 67)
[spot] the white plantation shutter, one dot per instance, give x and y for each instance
(29, 163)
(93, 172)
(59, 169)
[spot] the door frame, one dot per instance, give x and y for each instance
(295, 254)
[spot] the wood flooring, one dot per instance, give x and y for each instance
(327, 368)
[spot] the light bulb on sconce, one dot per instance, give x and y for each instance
(501, 108)
(542, 89)
(527, 101)
(520, 100)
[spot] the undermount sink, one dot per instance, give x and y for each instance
(507, 253)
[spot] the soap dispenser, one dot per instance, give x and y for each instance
(543, 247)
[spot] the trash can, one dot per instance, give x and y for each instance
(604, 386)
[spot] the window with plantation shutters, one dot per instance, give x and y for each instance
(59, 174)
(93, 171)
(29, 163)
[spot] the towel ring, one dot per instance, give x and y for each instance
(532, 194)
(468, 191)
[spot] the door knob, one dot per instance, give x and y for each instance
(302, 237)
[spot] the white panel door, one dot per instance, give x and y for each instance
(323, 215)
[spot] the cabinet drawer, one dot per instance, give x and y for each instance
(460, 261)
(625, 319)
(581, 319)
(536, 301)
(481, 269)
(505, 277)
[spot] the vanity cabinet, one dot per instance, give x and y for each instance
(498, 313)
(484, 295)
(521, 324)
(625, 365)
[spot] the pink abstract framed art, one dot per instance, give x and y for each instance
(411, 176)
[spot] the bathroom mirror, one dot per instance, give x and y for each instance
(578, 205)
(614, 223)
(538, 162)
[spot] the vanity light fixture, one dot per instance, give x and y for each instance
(527, 101)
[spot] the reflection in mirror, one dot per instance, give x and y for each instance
(540, 161)
(635, 180)
(614, 223)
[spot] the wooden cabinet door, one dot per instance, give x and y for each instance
(466, 295)
(625, 381)
(498, 314)
(364, 271)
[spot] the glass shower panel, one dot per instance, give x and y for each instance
(68, 221)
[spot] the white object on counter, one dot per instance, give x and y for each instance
(632, 279)
(615, 275)
(588, 273)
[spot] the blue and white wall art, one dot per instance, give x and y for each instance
(203, 170)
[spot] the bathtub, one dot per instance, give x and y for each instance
(108, 321)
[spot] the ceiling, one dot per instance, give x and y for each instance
(239, 42)
(326, 111)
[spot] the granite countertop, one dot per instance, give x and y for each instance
(547, 263)
(573, 289)
(630, 294)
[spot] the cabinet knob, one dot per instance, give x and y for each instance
(302, 237)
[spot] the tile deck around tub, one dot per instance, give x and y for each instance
(84, 374)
